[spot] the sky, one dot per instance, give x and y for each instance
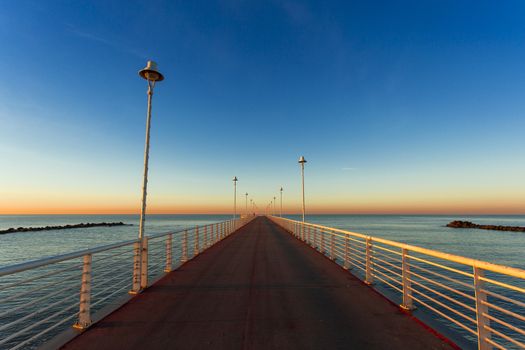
(399, 107)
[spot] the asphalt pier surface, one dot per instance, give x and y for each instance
(260, 288)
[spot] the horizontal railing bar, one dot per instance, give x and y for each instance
(448, 268)
(377, 246)
(499, 334)
(495, 319)
(14, 296)
(387, 269)
(468, 307)
(503, 284)
(33, 302)
(506, 270)
(52, 273)
(389, 284)
(493, 343)
(435, 301)
(450, 279)
(502, 297)
(6, 326)
(8, 270)
(38, 335)
(444, 315)
(505, 311)
(376, 271)
(441, 285)
(374, 257)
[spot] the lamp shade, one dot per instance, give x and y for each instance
(150, 72)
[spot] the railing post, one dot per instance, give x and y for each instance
(169, 252)
(405, 277)
(135, 285)
(84, 315)
(309, 239)
(196, 241)
(481, 310)
(216, 232)
(315, 238)
(346, 264)
(184, 255)
(205, 243)
(332, 246)
(369, 271)
(144, 264)
(322, 243)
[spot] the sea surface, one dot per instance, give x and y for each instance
(47, 306)
(500, 247)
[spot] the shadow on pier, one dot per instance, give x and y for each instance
(258, 289)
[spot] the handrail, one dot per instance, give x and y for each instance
(36, 304)
(445, 289)
(507, 270)
(8, 270)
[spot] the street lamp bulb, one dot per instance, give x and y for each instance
(150, 72)
(302, 160)
(235, 179)
(281, 189)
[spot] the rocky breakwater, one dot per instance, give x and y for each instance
(64, 227)
(468, 224)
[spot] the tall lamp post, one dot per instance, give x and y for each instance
(152, 75)
(246, 204)
(274, 204)
(251, 204)
(281, 211)
(302, 161)
(235, 197)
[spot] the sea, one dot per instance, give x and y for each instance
(428, 231)
(41, 317)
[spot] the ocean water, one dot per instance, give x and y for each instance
(500, 247)
(23, 246)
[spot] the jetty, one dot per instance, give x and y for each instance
(261, 282)
(62, 227)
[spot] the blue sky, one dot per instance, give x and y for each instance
(412, 106)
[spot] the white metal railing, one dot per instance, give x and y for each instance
(41, 298)
(481, 301)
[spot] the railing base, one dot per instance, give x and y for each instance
(81, 327)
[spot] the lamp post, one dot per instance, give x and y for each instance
(274, 204)
(302, 161)
(235, 197)
(152, 75)
(246, 204)
(281, 211)
(251, 204)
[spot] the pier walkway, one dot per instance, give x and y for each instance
(260, 288)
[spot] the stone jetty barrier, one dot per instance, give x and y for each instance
(468, 224)
(63, 227)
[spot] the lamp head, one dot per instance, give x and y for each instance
(150, 72)
(302, 160)
(281, 189)
(235, 179)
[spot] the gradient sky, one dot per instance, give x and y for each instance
(399, 107)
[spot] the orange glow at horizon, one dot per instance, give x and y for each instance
(460, 206)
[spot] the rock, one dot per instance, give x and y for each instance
(468, 224)
(68, 226)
